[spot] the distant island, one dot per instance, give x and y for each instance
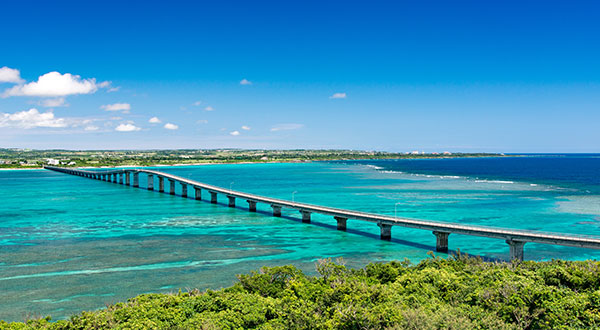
(29, 158)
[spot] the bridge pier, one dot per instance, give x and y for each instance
(231, 202)
(136, 179)
(305, 216)
(386, 231)
(161, 184)
(251, 206)
(516, 249)
(127, 181)
(276, 210)
(150, 182)
(341, 223)
(198, 193)
(183, 190)
(121, 178)
(213, 197)
(171, 187)
(441, 244)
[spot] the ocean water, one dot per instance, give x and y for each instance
(69, 243)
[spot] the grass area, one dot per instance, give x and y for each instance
(455, 293)
(21, 158)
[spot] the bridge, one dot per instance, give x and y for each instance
(515, 239)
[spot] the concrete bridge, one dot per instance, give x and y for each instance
(515, 239)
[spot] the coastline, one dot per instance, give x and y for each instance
(291, 161)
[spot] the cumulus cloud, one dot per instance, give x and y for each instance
(171, 126)
(286, 127)
(30, 119)
(234, 133)
(154, 120)
(127, 128)
(125, 107)
(57, 102)
(245, 82)
(246, 128)
(197, 103)
(8, 75)
(91, 128)
(54, 84)
(338, 96)
(209, 108)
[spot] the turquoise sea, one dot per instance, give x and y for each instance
(69, 244)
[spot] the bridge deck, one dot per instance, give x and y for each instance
(583, 241)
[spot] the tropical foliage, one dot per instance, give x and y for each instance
(455, 293)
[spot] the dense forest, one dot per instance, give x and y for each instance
(455, 293)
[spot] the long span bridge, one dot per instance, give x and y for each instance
(515, 239)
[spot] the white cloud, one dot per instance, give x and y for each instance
(54, 84)
(127, 128)
(286, 127)
(197, 103)
(125, 107)
(91, 128)
(234, 133)
(8, 75)
(338, 96)
(245, 82)
(154, 120)
(57, 102)
(30, 119)
(209, 108)
(113, 89)
(202, 121)
(246, 128)
(171, 126)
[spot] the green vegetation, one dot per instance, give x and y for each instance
(24, 158)
(455, 293)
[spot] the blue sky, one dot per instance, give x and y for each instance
(398, 76)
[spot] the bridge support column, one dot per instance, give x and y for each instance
(183, 189)
(198, 193)
(251, 206)
(171, 187)
(516, 249)
(161, 184)
(441, 244)
(231, 201)
(305, 216)
(341, 223)
(213, 197)
(136, 179)
(121, 178)
(386, 231)
(150, 182)
(127, 179)
(115, 178)
(276, 210)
